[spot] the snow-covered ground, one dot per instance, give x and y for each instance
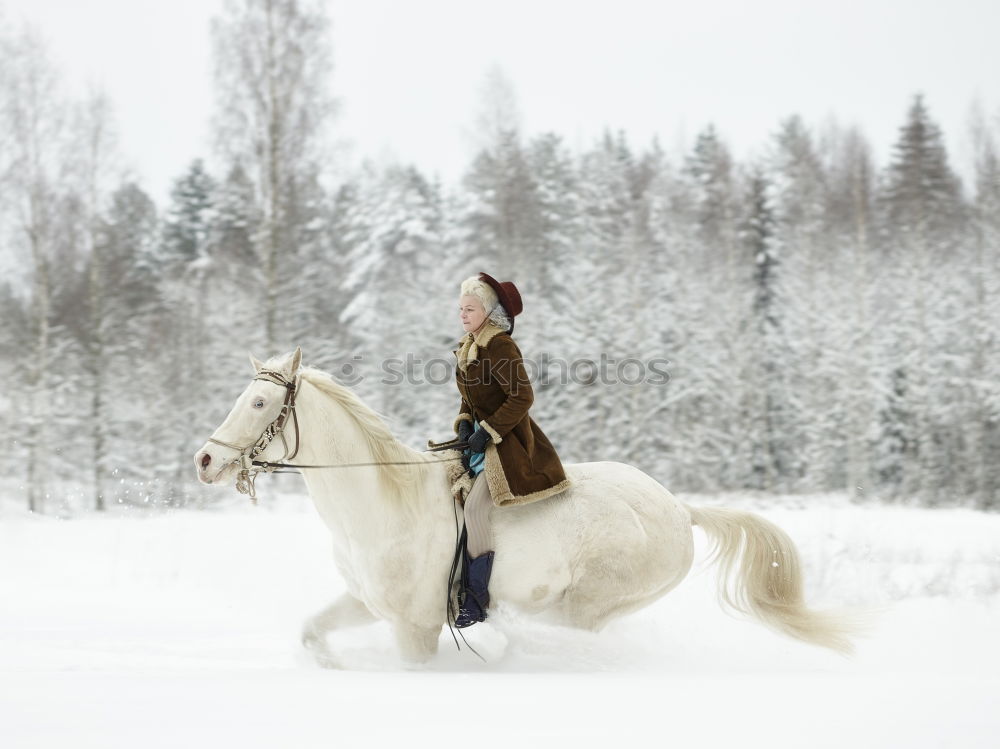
(182, 630)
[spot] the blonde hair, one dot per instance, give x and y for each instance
(495, 311)
(473, 286)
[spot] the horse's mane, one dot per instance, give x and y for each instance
(399, 481)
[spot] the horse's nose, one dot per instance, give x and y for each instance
(204, 461)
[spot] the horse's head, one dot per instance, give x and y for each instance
(256, 408)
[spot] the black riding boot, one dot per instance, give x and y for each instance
(475, 597)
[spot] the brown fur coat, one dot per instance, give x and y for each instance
(521, 465)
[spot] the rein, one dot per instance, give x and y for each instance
(250, 466)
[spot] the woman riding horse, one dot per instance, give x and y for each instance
(511, 459)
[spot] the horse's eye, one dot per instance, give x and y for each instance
(259, 403)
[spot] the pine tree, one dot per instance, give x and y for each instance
(922, 194)
(559, 269)
(391, 237)
(771, 458)
(895, 448)
(983, 414)
(609, 223)
(126, 371)
(236, 221)
(502, 221)
(710, 192)
(922, 229)
(190, 215)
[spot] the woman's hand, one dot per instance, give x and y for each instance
(464, 431)
(478, 440)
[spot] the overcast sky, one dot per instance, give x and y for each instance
(408, 73)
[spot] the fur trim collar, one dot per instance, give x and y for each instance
(469, 344)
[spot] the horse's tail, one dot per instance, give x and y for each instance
(769, 583)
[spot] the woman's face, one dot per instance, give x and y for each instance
(471, 312)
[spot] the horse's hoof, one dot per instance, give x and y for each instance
(319, 651)
(326, 660)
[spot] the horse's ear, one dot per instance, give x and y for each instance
(257, 363)
(293, 366)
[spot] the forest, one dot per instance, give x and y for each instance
(803, 321)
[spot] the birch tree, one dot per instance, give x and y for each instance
(853, 274)
(95, 164)
(34, 124)
(272, 70)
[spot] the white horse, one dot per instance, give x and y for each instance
(613, 542)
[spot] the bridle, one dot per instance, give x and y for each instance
(247, 458)
(249, 466)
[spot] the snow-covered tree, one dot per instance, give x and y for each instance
(189, 216)
(34, 126)
(391, 237)
(921, 232)
(921, 198)
(272, 64)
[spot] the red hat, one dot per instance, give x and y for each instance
(508, 295)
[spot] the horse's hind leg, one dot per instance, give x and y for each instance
(600, 596)
(595, 615)
(416, 644)
(346, 611)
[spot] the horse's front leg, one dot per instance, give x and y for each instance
(346, 611)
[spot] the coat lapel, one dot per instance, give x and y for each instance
(469, 344)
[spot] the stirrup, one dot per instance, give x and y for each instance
(467, 615)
